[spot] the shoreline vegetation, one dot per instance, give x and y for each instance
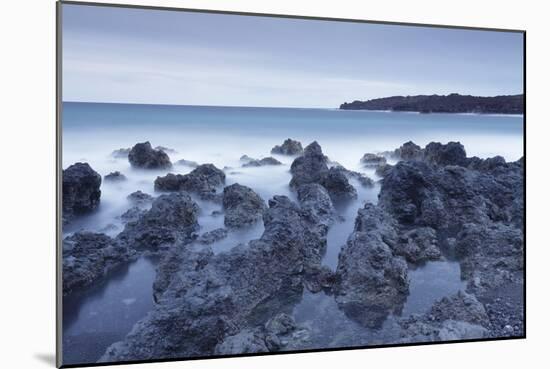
(452, 103)
(433, 202)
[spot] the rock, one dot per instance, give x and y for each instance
(462, 307)
(243, 206)
(115, 177)
(373, 160)
(88, 257)
(203, 180)
(350, 174)
(212, 236)
(142, 155)
(315, 201)
(452, 153)
(81, 193)
(372, 280)
(246, 159)
(172, 218)
(187, 163)
(418, 245)
(246, 341)
(383, 170)
(338, 185)
(488, 164)
(166, 150)
(458, 317)
(132, 214)
(320, 279)
(140, 199)
(312, 168)
(213, 297)
(259, 163)
(121, 153)
(409, 151)
(289, 147)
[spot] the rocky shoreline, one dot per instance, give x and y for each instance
(435, 203)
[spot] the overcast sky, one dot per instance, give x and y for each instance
(167, 57)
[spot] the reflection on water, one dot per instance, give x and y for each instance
(330, 327)
(96, 318)
(431, 282)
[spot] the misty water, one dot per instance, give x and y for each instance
(105, 313)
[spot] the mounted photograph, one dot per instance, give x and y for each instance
(234, 184)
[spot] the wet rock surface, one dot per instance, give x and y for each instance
(121, 153)
(172, 218)
(312, 167)
(88, 257)
(210, 237)
(213, 297)
(139, 198)
(435, 203)
(372, 281)
(289, 147)
(203, 181)
(243, 207)
(250, 162)
(187, 163)
(373, 160)
(143, 156)
(459, 317)
(115, 177)
(473, 207)
(81, 190)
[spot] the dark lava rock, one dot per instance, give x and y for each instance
(312, 167)
(383, 170)
(144, 156)
(132, 214)
(121, 153)
(460, 317)
(350, 174)
(166, 150)
(81, 191)
(409, 151)
(477, 207)
(172, 218)
(315, 201)
(187, 163)
(203, 180)
(246, 341)
(452, 153)
(260, 163)
(210, 297)
(139, 198)
(215, 235)
(280, 333)
(243, 206)
(115, 177)
(418, 245)
(289, 147)
(89, 256)
(372, 281)
(337, 185)
(373, 160)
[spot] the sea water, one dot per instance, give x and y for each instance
(221, 135)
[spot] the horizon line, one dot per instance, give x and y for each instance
(269, 107)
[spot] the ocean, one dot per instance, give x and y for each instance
(221, 135)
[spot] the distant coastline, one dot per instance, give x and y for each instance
(452, 103)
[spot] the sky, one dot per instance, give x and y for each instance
(128, 55)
